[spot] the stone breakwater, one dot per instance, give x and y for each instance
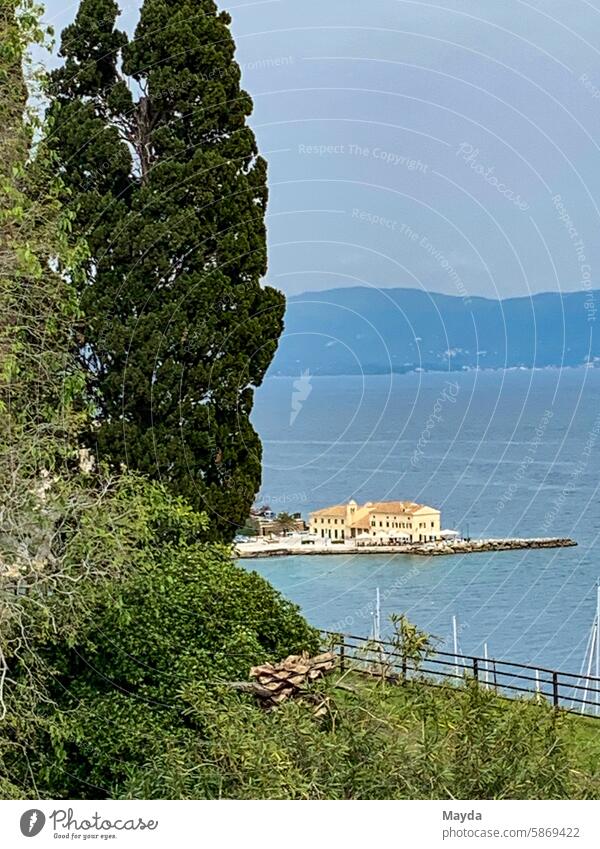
(473, 545)
(428, 549)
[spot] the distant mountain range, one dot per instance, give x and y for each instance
(362, 330)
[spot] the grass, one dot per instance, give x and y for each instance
(482, 727)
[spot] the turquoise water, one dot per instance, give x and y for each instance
(501, 453)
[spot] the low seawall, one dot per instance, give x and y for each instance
(474, 545)
(429, 549)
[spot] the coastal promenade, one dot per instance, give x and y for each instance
(289, 546)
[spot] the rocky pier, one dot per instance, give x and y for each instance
(425, 549)
(473, 545)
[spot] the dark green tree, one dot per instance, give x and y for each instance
(171, 196)
(111, 602)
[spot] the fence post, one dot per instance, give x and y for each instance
(404, 667)
(555, 689)
(476, 669)
(342, 652)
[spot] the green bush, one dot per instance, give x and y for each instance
(390, 742)
(186, 614)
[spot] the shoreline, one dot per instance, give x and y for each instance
(252, 550)
(420, 370)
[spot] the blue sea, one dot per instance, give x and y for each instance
(501, 453)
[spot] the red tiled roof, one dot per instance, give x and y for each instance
(361, 513)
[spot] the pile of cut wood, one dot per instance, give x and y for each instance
(275, 682)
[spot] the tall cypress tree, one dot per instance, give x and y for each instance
(171, 196)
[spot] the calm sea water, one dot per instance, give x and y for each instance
(501, 453)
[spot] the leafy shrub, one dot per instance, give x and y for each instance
(182, 613)
(386, 742)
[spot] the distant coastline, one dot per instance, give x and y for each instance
(437, 370)
(363, 330)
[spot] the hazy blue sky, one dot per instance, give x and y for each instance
(424, 144)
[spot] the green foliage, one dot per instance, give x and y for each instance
(183, 616)
(285, 522)
(171, 194)
(411, 642)
(110, 601)
(41, 405)
(120, 623)
(41, 408)
(390, 742)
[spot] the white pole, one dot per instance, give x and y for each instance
(373, 623)
(589, 666)
(487, 667)
(376, 613)
(455, 639)
(597, 683)
(537, 684)
(588, 649)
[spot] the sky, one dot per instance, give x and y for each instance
(450, 146)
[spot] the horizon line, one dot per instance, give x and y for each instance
(559, 293)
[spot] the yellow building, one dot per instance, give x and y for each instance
(385, 520)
